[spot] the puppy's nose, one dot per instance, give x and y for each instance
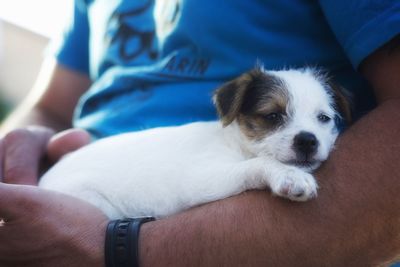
(305, 143)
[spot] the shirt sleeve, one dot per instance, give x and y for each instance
(362, 26)
(72, 50)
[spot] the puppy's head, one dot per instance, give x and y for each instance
(293, 115)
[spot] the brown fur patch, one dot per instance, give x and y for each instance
(228, 99)
(254, 123)
(249, 99)
(341, 97)
(342, 103)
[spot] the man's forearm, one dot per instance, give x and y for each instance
(52, 100)
(353, 222)
(26, 115)
(382, 69)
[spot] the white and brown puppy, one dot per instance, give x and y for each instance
(277, 126)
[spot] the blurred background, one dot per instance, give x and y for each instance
(26, 27)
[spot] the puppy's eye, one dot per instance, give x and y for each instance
(323, 118)
(274, 117)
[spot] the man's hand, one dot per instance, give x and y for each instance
(23, 151)
(47, 229)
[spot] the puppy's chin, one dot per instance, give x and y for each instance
(307, 165)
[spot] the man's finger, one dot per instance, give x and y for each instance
(66, 142)
(23, 150)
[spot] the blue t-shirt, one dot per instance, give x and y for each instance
(156, 62)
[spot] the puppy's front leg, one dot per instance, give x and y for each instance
(286, 181)
(291, 182)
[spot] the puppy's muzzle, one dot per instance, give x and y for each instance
(305, 145)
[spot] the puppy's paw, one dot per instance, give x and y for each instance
(295, 184)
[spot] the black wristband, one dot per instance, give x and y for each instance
(122, 238)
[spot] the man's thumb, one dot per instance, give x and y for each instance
(66, 142)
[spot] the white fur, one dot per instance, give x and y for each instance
(162, 171)
(308, 99)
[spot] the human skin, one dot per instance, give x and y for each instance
(353, 222)
(49, 107)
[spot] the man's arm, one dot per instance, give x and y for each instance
(382, 70)
(52, 99)
(354, 221)
(49, 107)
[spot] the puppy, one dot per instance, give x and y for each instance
(275, 128)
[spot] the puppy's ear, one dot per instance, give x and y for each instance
(229, 98)
(342, 101)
